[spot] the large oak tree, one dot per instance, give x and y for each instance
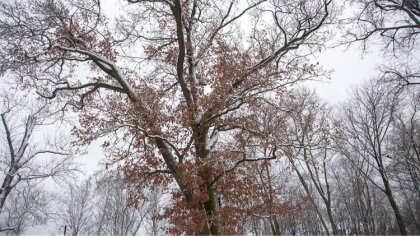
(173, 87)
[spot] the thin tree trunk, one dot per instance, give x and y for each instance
(6, 187)
(305, 186)
(275, 227)
(391, 200)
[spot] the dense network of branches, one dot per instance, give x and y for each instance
(197, 100)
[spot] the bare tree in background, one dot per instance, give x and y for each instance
(306, 145)
(76, 208)
(405, 156)
(396, 25)
(360, 207)
(155, 204)
(100, 205)
(28, 158)
(362, 131)
(26, 206)
(401, 74)
(114, 214)
(405, 142)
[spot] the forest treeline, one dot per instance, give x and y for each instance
(200, 110)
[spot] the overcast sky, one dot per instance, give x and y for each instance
(350, 67)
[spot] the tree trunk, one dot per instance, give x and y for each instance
(6, 187)
(275, 227)
(211, 227)
(391, 200)
(330, 216)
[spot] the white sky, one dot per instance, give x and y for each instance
(350, 67)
